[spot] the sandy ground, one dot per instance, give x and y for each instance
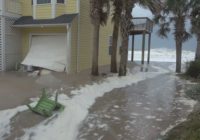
(139, 112)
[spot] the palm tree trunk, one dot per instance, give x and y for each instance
(178, 55)
(95, 56)
(114, 48)
(197, 55)
(124, 57)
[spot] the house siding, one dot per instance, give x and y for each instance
(60, 9)
(27, 8)
(81, 56)
(13, 7)
(1, 45)
(12, 45)
(86, 36)
(43, 11)
(74, 45)
(71, 6)
(105, 32)
(85, 49)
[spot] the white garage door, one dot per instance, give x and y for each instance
(49, 52)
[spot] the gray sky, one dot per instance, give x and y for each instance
(141, 12)
(157, 42)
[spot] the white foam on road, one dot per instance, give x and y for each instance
(66, 126)
(164, 132)
(5, 118)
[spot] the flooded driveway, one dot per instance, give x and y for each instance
(141, 106)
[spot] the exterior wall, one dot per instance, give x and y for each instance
(86, 36)
(27, 31)
(60, 9)
(12, 45)
(74, 45)
(13, 7)
(27, 9)
(85, 49)
(81, 55)
(71, 6)
(1, 44)
(105, 33)
(43, 11)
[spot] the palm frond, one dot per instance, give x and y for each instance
(186, 36)
(163, 30)
(155, 6)
(99, 11)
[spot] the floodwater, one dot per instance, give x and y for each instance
(138, 112)
(142, 111)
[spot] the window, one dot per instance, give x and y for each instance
(43, 1)
(60, 1)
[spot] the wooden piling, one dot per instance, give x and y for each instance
(149, 49)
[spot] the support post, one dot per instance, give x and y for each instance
(143, 47)
(132, 54)
(149, 49)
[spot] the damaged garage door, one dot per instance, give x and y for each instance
(49, 52)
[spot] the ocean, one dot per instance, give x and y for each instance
(157, 42)
(163, 50)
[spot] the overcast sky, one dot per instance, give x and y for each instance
(157, 42)
(141, 12)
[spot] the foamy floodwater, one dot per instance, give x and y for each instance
(164, 55)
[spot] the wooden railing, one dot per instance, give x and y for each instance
(13, 6)
(142, 24)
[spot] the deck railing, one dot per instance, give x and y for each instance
(142, 24)
(13, 6)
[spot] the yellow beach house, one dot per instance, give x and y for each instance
(56, 35)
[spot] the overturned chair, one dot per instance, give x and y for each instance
(46, 106)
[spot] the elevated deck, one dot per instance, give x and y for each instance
(142, 25)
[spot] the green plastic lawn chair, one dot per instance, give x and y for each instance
(46, 106)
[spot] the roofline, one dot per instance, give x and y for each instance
(40, 25)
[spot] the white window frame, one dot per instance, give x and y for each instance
(43, 3)
(61, 3)
(49, 2)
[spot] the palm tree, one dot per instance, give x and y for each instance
(195, 20)
(153, 5)
(176, 12)
(99, 12)
(125, 26)
(117, 4)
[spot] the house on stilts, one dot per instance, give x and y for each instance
(142, 26)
